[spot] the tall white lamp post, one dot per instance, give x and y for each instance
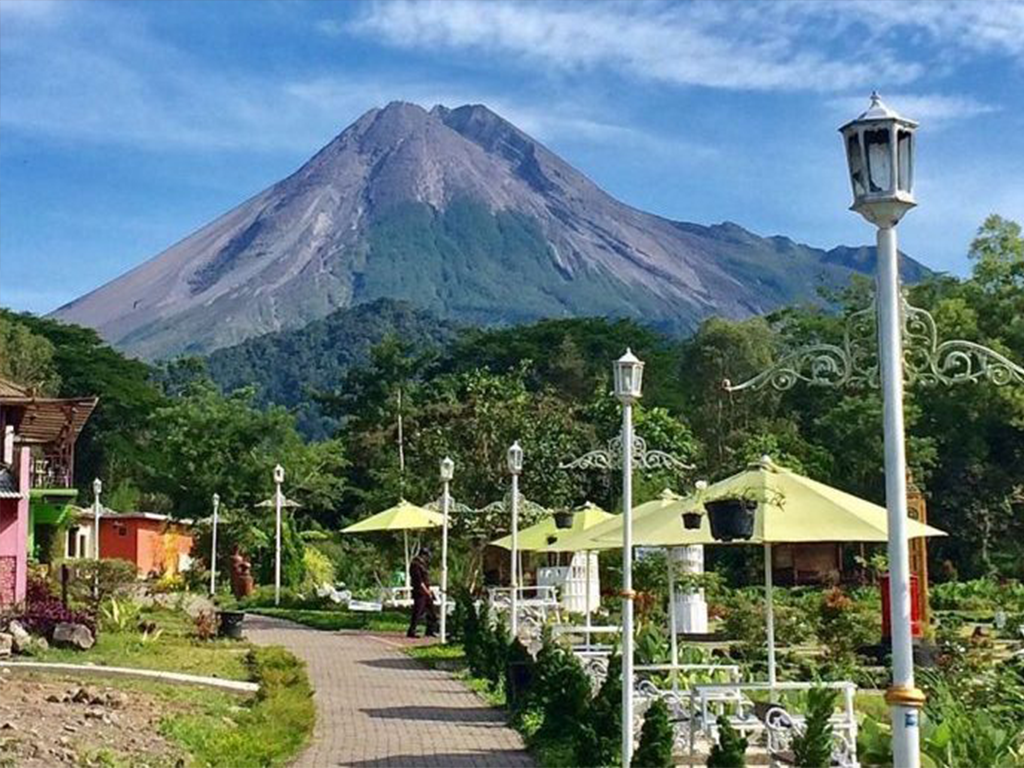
(213, 546)
(515, 467)
(880, 153)
(97, 490)
(447, 473)
(628, 384)
(278, 498)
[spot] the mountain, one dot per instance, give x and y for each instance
(286, 366)
(456, 211)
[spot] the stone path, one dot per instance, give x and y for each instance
(377, 707)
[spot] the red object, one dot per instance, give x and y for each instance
(916, 630)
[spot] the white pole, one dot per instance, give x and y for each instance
(627, 583)
(97, 488)
(408, 580)
(444, 565)
(213, 547)
(277, 553)
(903, 696)
(514, 622)
(587, 602)
(672, 613)
(769, 615)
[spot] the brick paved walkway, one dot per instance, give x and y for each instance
(377, 707)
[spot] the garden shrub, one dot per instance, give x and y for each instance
(813, 748)
(263, 597)
(562, 691)
(42, 611)
(319, 570)
(473, 639)
(656, 739)
(520, 668)
(599, 741)
(730, 751)
(95, 581)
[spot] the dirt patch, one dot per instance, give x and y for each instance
(46, 722)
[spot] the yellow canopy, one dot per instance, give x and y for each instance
(545, 533)
(584, 540)
(401, 517)
(791, 509)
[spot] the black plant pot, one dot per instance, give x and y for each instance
(563, 520)
(731, 518)
(230, 624)
(691, 520)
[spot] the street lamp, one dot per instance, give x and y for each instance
(880, 153)
(97, 489)
(447, 473)
(515, 467)
(278, 479)
(629, 373)
(213, 546)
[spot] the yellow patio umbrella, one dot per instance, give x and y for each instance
(402, 517)
(544, 534)
(791, 508)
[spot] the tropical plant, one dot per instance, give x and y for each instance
(120, 615)
(813, 747)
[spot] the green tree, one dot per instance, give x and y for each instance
(26, 358)
(655, 747)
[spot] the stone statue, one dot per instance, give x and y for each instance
(241, 575)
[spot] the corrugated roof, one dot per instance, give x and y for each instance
(9, 389)
(46, 419)
(8, 485)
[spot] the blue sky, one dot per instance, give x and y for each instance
(126, 126)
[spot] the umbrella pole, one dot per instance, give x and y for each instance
(405, 538)
(769, 613)
(587, 597)
(672, 615)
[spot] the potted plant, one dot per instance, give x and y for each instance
(563, 518)
(731, 518)
(691, 520)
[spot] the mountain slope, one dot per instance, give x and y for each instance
(454, 210)
(287, 365)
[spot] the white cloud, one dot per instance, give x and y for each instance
(934, 110)
(818, 46)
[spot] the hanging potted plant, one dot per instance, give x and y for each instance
(563, 518)
(691, 520)
(731, 518)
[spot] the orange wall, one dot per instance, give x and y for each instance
(150, 544)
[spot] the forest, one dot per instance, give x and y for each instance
(359, 420)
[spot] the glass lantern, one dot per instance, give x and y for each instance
(629, 376)
(515, 458)
(447, 469)
(279, 474)
(880, 155)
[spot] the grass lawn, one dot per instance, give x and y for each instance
(173, 649)
(215, 728)
(337, 618)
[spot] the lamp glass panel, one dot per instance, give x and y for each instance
(856, 160)
(905, 157)
(878, 150)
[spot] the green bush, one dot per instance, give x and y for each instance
(319, 570)
(655, 747)
(599, 741)
(731, 749)
(263, 597)
(813, 748)
(96, 581)
(562, 691)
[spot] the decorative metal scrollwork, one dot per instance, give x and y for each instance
(854, 362)
(610, 458)
(454, 507)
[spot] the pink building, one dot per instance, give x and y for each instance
(14, 503)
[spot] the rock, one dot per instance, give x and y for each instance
(53, 698)
(20, 638)
(71, 635)
(116, 699)
(82, 696)
(6, 643)
(95, 714)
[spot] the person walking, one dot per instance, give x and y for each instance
(422, 597)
